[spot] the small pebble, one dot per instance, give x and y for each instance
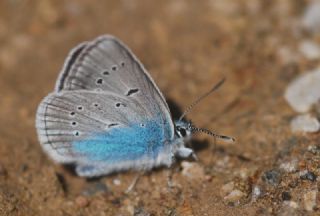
(94, 188)
(208, 178)
(314, 149)
(307, 175)
(127, 205)
(287, 55)
(311, 17)
(305, 123)
(287, 210)
(227, 188)
(81, 201)
(234, 192)
(310, 199)
(286, 196)
(192, 170)
(272, 177)
(289, 167)
(223, 163)
(291, 204)
(140, 211)
(245, 173)
(304, 91)
(234, 196)
(256, 192)
(116, 182)
(310, 49)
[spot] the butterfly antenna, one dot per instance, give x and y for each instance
(206, 131)
(215, 87)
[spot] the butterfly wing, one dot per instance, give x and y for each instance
(98, 129)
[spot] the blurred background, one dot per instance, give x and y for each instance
(261, 47)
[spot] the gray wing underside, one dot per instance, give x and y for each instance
(68, 116)
(106, 64)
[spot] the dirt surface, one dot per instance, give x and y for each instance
(187, 46)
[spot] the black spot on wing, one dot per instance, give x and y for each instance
(114, 67)
(113, 125)
(121, 104)
(99, 81)
(105, 72)
(132, 91)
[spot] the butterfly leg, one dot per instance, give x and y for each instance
(134, 182)
(213, 148)
(169, 178)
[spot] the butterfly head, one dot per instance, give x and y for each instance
(183, 129)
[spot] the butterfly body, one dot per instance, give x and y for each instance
(106, 114)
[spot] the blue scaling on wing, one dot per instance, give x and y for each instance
(123, 143)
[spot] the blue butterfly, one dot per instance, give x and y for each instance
(106, 114)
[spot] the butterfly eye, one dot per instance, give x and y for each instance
(181, 132)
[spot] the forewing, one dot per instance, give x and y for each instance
(106, 64)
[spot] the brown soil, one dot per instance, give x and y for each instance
(187, 46)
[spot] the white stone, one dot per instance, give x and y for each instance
(311, 17)
(309, 49)
(291, 204)
(304, 91)
(305, 123)
(192, 170)
(256, 192)
(234, 196)
(116, 181)
(287, 55)
(290, 166)
(227, 188)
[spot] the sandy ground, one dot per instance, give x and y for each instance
(187, 46)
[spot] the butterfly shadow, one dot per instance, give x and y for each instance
(175, 109)
(71, 169)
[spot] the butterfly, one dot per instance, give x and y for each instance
(106, 114)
